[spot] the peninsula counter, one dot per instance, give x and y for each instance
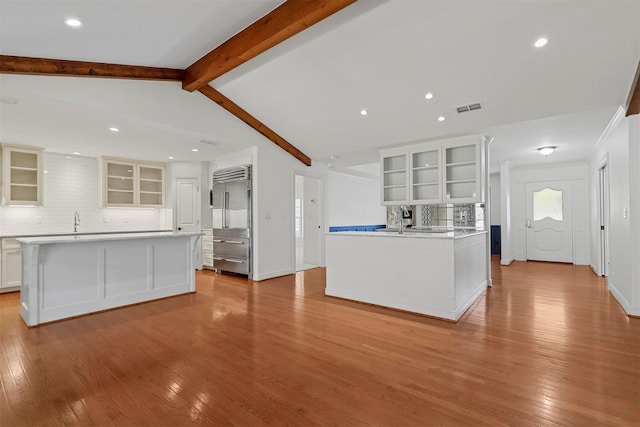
(436, 274)
(66, 276)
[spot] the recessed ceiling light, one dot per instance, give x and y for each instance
(76, 153)
(195, 150)
(171, 157)
(363, 112)
(545, 151)
(429, 95)
(441, 119)
(46, 171)
(541, 42)
(112, 129)
(73, 22)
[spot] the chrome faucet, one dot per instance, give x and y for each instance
(400, 213)
(76, 221)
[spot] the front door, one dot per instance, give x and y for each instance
(549, 221)
(187, 205)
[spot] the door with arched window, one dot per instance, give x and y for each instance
(549, 221)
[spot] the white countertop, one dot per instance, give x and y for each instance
(456, 234)
(100, 237)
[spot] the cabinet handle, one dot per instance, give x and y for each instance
(235, 242)
(218, 241)
(237, 261)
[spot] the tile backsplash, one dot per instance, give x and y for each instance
(452, 215)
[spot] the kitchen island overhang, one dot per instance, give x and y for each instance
(68, 276)
(439, 275)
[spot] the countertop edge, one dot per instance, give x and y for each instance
(15, 236)
(100, 237)
(443, 236)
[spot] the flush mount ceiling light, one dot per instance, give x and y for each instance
(429, 95)
(541, 42)
(545, 151)
(363, 112)
(73, 22)
(112, 129)
(441, 119)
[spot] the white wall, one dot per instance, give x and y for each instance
(620, 145)
(71, 184)
(354, 200)
(273, 206)
(578, 174)
(494, 189)
(312, 222)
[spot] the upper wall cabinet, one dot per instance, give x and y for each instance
(462, 172)
(128, 183)
(21, 175)
(437, 172)
(394, 177)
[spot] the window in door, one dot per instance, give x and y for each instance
(547, 203)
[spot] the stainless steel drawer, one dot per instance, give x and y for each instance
(240, 266)
(234, 248)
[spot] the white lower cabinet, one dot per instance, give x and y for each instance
(207, 248)
(11, 265)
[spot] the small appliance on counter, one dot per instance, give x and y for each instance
(231, 210)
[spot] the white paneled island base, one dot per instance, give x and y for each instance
(66, 276)
(438, 276)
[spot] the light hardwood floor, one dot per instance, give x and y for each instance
(547, 345)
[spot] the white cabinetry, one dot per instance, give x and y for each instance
(127, 183)
(435, 172)
(462, 172)
(394, 177)
(11, 265)
(207, 248)
(426, 176)
(21, 175)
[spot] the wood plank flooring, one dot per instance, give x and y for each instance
(547, 345)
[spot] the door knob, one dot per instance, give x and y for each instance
(179, 228)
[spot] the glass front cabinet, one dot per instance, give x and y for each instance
(127, 183)
(22, 175)
(436, 172)
(394, 177)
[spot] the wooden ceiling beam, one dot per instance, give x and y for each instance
(287, 20)
(256, 124)
(633, 101)
(60, 67)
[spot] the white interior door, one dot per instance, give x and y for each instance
(187, 205)
(604, 220)
(308, 222)
(549, 221)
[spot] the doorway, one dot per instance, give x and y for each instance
(603, 214)
(307, 222)
(549, 221)
(187, 205)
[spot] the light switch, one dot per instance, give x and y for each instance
(624, 213)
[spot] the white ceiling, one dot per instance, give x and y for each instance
(379, 55)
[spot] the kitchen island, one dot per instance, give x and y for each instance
(66, 276)
(435, 274)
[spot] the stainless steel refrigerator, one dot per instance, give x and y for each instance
(231, 209)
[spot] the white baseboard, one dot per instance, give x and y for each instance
(271, 275)
(624, 303)
(506, 261)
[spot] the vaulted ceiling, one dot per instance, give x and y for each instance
(382, 56)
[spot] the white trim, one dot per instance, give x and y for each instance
(506, 261)
(273, 274)
(624, 303)
(619, 115)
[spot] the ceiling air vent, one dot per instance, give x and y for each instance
(470, 107)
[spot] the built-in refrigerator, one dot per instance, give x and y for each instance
(231, 210)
